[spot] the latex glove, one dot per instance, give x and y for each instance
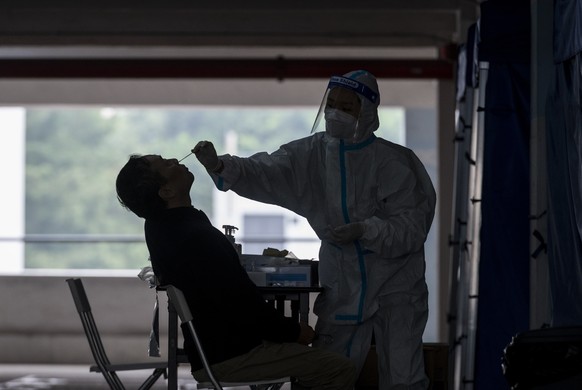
(206, 154)
(347, 233)
(306, 334)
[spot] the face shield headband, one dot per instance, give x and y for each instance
(345, 83)
(359, 88)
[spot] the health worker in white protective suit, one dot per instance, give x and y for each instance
(371, 202)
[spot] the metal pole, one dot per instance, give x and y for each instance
(465, 260)
(458, 241)
(475, 249)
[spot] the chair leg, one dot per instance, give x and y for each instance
(152, 379)
(112, 380)
(272, 386)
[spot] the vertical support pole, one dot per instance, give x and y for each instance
(475, 248)
(458, 240)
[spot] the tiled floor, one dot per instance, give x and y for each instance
(78, 377)
(75, 377)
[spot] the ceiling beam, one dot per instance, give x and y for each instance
(279, 68)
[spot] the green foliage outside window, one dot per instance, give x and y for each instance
(73, 156)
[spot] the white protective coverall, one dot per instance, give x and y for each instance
(376, 284)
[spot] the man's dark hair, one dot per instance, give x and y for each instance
(138, 186)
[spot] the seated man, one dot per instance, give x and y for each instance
(243, 336)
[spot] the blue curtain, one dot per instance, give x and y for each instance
(567, 29)
(503, 305)
(564, 152)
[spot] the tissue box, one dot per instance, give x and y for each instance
(281, 271)
(289, 276)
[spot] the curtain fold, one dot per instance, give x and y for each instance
(503, 306)
(564, 152)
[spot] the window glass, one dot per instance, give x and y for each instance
(263, 231)
(73, 154)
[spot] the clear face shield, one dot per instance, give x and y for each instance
(340, 109)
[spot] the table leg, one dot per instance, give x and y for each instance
(304, 307)
(172, 348)
(295, 310)
(280, 304)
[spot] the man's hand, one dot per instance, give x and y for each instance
(347, 233)
(206, 154)
(306, 334)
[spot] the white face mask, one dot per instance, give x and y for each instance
(339, 124)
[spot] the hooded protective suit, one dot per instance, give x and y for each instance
(375, 284)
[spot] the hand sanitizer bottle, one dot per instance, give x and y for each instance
(228, 231)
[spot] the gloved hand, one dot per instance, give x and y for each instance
(206, 154)
(347, 233)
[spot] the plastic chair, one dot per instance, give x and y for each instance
(103, 365)
(178, 301)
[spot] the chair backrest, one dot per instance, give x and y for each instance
(95, 343)
(178, 300)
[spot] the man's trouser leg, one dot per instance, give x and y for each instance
(312, 367)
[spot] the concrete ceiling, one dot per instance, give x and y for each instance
(233, 23)
(398, 39)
